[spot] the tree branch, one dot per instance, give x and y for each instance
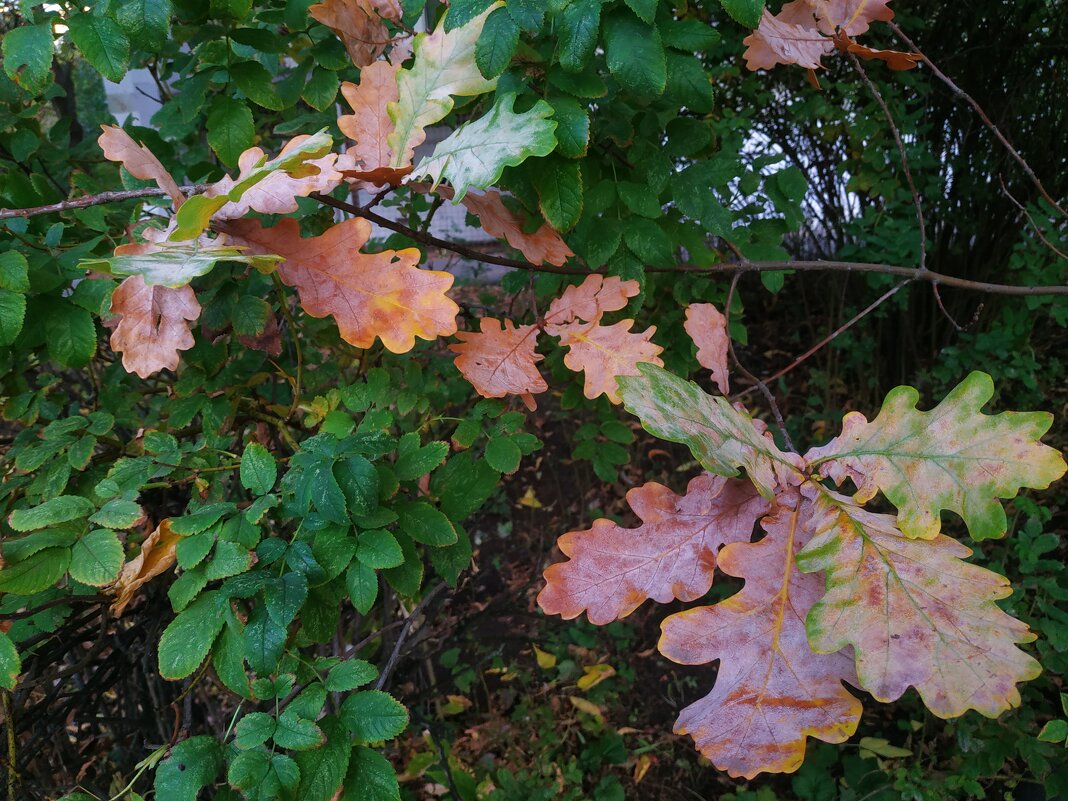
(95, 200)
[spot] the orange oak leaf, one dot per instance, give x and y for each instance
(153, 325)
(590, 300)
(707, 327)
(359, 24)
(913, 611)
(370, 124)
(157, 555)
(544, 246)
(500, 360)
(672, 555)
(369, 295)
(138, 160)
(278, 192)
(605, 352)
(805, 30)
(777, 41)
(772, 691)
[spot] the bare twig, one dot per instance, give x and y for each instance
(406, 629)
(96, 200)
(737, 363)
(967, 98)
(1030, 219)
(831, 336)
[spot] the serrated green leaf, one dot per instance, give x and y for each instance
(71, 335)
(578, 27)
(253, 79)
(379, 549)
(264, 642)
(12, 316)
(415, 461)
(27, 52)
(50, 513)
(10, 663)
(373, 716)
(145, 21)
(425, 524)
(263, 774)
(1055, 731)
(259, 471)
(14, 269)
(361, 583)
(645, 9)
(463, 485)
(284, 596)
(253, 730)
(296, 734)
(635, 54)
(497, 44)
(359, 483)
(349, 675)
(230, 131)
(572, 127)
(35, 573)
(744, 12)
(370, 777)
(560, 192)
(102, 42)
(191, 766)
(96, 558)
(323, 769)
(189, 637)
(503, 454)
(321, 90)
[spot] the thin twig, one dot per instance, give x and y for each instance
(1030, 219)
(406, 629)
(96, 200)
(737, 363)
(967, 98)
(830, 337)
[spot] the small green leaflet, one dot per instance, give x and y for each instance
(176, 265)
(28, 55)
(373, 715)
(96, 558)
(102, 42)
(58, 510)
(188, 639)
(258, 469)
(191, 766)
(10, 664)
(477, 153)
(195, 214)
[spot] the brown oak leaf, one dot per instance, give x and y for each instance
(138, 160)
(500, 360)
(370, 124)
(672, 555)
(153, 325)
(590, 300)
(157, 555)
(605, 352)
(359, 24)
(278, 192)
(369, 295)
(772, 691)
(707, 327)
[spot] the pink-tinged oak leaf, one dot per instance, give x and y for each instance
(772, 690)
(153, 325)
(913, 611)
(359, 24)
(707, 327)
(138, 160)
(590, 300)
(672, 555)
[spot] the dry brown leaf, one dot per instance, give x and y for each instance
(604, 352)
(138, 161)
(157, 555)
(544, 246)
(369, 295)
(895, 59)
(359, 24)
(370, 124)
(707, 327)
(501, 361)
(278, 192)
(154, 324)
(777, 41)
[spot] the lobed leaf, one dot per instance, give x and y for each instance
(607, 352)
(138, 160)
(672, 555)
(500, 360)
(953, 457)
(721, 437)
(914, 612)
(153, 325)
(772, 690)
(707, 327)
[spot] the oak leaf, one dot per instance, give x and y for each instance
(772, 690)
(477, 153)
(590, 300)
(359, 24)
(606, 352)
(153, 325)
(723, 438)
(672, 555)
(369, 295)
(277, 193)
(444, 66)
(138, 160)
(500, 360)
(894, 59)
(777, 41)
(707, 327)
(953, 457)
(915, 613)
(157, 555)
(369, 126)
(544, 246)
